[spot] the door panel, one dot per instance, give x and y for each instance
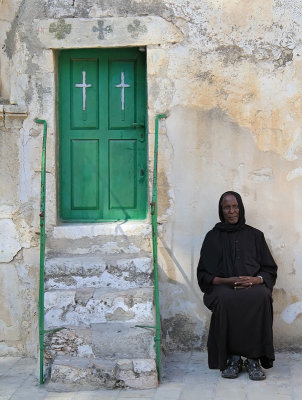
(103, 146)
(122, 174)
(84, 172)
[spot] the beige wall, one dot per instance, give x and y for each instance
(228, 74)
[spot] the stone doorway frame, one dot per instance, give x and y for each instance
(152, 34)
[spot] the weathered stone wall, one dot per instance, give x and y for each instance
(228, 73)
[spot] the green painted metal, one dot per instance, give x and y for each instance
(42, 331)
(154, 243)
(42, 248)
(103, 146)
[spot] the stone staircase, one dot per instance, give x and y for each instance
(97, 290)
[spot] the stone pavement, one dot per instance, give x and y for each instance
(185, 377)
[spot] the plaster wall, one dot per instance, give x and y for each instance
(228, 73)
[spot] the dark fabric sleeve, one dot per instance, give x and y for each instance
(268, 267)
(204, 277)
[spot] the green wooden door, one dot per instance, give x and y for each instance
(103, 143)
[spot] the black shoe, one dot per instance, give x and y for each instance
(234, 367)
(254, 370)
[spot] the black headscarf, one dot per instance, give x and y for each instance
(217, 255)
(218, 252)
(225, 227)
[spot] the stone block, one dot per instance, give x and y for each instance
(125, 364)
(142, 382)
(45, 60)
(60, 266)
(128, 31)
(84, 306)
(14, 115)
(83, 295)
(103, 232)
(93, 271)
(9, 240)
(144, 365)
(93, 267)
(142, 264)
(59, 299)
(120, 340)
(138, 373)
(73, 373)
(68, 342)
(107, 340)
(130, 237)
(83, 372)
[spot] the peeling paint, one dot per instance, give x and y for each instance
(261, 175)
(9, 240)
(294, 174)
(292, 312)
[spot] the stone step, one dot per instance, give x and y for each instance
(84, 306)
(122, 341)
(105, 340)
(70, 272)
(73, 373)
(127, 237)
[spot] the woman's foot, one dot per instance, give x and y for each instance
(234, 367)
(254, 370)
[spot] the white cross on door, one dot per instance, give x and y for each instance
(83, 85)
(122, 85)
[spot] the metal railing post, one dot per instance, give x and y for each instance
(154, 243)
(42, 248)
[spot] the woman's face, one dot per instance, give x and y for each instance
(230, 209)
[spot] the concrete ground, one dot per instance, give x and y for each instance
(185, 377)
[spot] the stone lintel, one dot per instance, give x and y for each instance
(105, 32)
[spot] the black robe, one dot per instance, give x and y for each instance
(241, 321)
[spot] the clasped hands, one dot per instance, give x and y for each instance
(238, 282)
(244, 282)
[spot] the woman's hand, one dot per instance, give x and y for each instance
(244, 282)
(225, 281)
(238, 282)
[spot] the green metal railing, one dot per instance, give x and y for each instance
(154, 246)
(42, 331)
(42, 248)
(154, 243)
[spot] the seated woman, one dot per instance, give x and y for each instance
(237, 272)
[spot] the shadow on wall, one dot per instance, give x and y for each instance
(184, 318)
